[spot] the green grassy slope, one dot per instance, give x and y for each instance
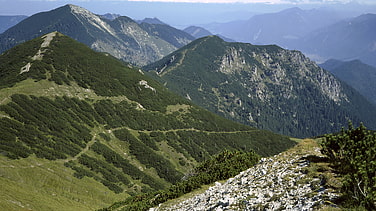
(40, 184)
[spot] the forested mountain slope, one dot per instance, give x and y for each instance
(263, 86)
(82, 129)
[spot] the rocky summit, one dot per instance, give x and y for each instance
(282, 182)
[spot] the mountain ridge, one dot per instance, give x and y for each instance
(197, 32)
(8, 21)
(283, 28)
(122, 37)
(348, 39)
(258, 85)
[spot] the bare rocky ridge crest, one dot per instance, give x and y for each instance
(148, 48)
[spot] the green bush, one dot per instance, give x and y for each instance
(148, 157)
(353, 153)
(49, 128)
(127, 168)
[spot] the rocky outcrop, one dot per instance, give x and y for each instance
(282, 182)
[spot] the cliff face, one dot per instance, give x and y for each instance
(285, 181)
(277, 69)
(263, 86)
(358, 75)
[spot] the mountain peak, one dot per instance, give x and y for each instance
(197, 31)
(292, 10)
(110, 16)
(357, 74)
(84, 12)
(122, 37)
(366, 17)
(153, 21)
(77, 9)
(91, 18)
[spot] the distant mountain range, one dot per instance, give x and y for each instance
(199, 32)
(78, 128)
(110, 16)
(346, 40)
(264, 86)
(8, 21)
(360, 76)
(281, 28)
(152, 21)
(122, 37)
(321, 34)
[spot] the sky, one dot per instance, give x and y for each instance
(248, 1)
(214, 1)
(179, 13)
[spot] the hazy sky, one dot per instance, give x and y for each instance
(214, 1)
(180, 12)
(256, 1)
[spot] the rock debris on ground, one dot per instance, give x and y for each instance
(275, 183)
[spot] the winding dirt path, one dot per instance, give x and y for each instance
(88, 145)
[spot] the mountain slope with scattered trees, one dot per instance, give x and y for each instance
(101, 124)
